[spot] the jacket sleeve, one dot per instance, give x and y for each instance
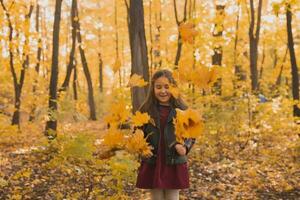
(188, 143)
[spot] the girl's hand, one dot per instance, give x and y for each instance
(181, 150)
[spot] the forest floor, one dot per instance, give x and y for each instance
(221, 179)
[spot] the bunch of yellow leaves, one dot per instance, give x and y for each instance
(188, 124)
(136, 81)
(140, 119)
(137, 144)
(114, 139)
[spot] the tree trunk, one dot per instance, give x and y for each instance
(253, 44)
(51, 124)
(37, 66)
(179, 42)
(294, 67)
(70, 66)
(75, 81)
(278, 80)
(100, 72)
(138, 46)
(86, 71)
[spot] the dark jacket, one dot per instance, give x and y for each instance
(152, 133)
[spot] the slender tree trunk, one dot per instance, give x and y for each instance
(294, 67)
(278, 80)
(100, 60)
(37, 66)
(138, 46)
(86, 71)
(253, 44)
(70, 66)
(51, 124)
(179, 41)
(75, 81)
(100, 72)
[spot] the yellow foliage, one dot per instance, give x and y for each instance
(118, 114)
(188, 124)
(137, 144)
(204, 76)
(114, 138)
(136, 81)
(140, 119)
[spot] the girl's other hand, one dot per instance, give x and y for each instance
(181, 150)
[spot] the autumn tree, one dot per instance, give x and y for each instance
(294, 67)
(254, 31)
(86, 70)
(18, 84)
(179, 23)
(71, 64)
(138, 47)
(51, 124)
(38, 56)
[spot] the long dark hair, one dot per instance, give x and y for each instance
(150, 104)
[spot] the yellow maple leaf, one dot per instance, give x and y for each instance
(188, 32)
(188, 124)
(140, 119)
(137, 144)
(136, 81)
(174, 91)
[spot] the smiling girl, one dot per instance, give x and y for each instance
(166, 171)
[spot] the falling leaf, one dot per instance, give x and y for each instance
(140, 118)
(136, 81)
(188, 32)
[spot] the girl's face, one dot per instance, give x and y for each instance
(161, 90)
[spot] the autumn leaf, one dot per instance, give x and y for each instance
(187, 32)
(140, 118)
(136, 81)
(137, 144)
(174, 91)
(188, 124)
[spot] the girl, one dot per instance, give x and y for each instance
(165, 172)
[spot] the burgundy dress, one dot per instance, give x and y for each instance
(160, 175)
